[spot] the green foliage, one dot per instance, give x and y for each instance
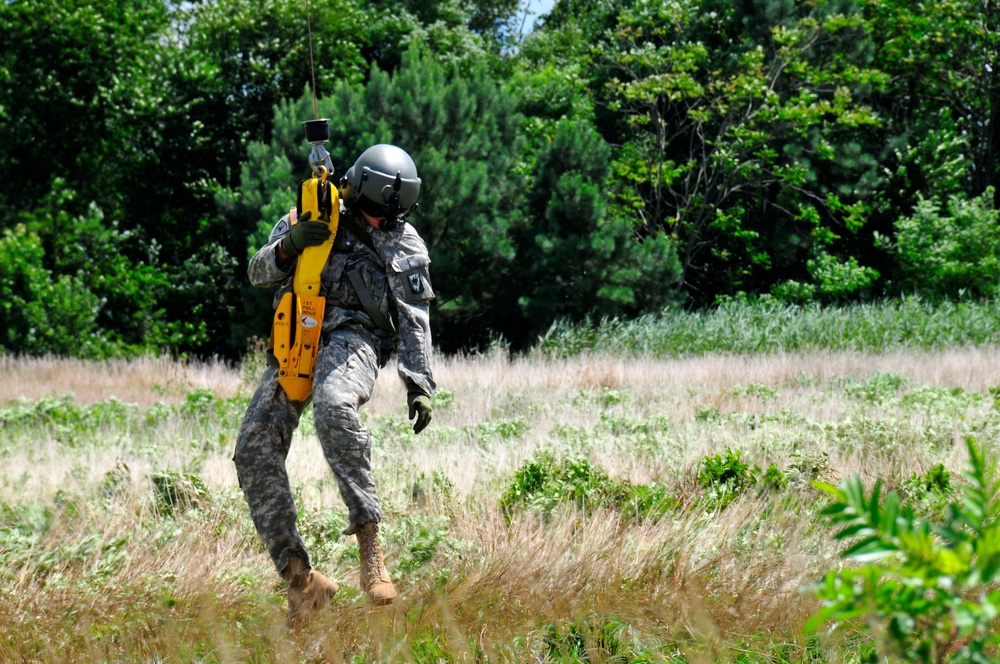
(76, 80)
(504, 428)
(768, 325)
(576, 257)
(727, 470)
(175, 492)
(421, 538)
(931, 492)
(926, 588)
(755, 390)
(80, 286)
(726, 476)
(878, 388)
(40, 314)
(729, 149)
(542, 483)
(773, 478)
(90, 423)
(833, 280)
(944, 51)
(602, 638)
(444, 399)
(66, 421)
(23, 525)
(116, 481)
(953, 252)
(122, 270)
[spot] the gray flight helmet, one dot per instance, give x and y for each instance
(383, 182)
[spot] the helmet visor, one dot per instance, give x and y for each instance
(373, 209)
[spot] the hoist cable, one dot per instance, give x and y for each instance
(312, 66)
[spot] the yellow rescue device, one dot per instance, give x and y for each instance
(298, 320)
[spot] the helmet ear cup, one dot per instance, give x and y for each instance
(347, 190)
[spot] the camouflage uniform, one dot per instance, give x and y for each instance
(347, 364)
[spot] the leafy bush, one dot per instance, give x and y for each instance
(175, 492)
(41, 312)
(878, 388)
(422, 536)
(505, 429)
(726, 476)
(69, 421)
(834, 280)
(950, 252)
(541, 483)
(927, 589)
(78, 285)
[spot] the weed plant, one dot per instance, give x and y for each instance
(591, 508)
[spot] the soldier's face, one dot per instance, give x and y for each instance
(374, 221)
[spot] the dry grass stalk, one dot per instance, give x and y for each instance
(699, 577)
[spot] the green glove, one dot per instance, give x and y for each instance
(305, 234)
(420, 406)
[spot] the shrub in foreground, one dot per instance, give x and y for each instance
(927, 589)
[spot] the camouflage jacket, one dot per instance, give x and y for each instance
(396, 276)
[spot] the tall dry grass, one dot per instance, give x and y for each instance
(115, 578)
(141, 381)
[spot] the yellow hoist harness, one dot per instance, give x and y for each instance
(298, 320)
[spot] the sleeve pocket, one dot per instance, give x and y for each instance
(415, 274)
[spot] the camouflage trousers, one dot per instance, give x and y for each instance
(343, 380)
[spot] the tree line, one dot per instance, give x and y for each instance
(623, 157)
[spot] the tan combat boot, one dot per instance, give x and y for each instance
(308, 592)
(374, 577)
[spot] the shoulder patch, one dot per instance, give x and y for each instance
(279, 229)
(416, 283)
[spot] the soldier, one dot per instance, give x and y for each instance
(377, 260)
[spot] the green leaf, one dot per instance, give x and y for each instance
(870, 548)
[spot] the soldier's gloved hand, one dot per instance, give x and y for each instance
(420, 407)
(304, 234)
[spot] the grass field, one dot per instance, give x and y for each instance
(592, 508)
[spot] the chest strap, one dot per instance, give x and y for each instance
(369, 303)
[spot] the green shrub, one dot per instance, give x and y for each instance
(42, 312)
(926, 589)
(175, 492)
(952, 251)
(878, 388)
(726, 476)
(504, 428)
(422, 536)
(833, 280)
(773, 478)
(541, 483)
